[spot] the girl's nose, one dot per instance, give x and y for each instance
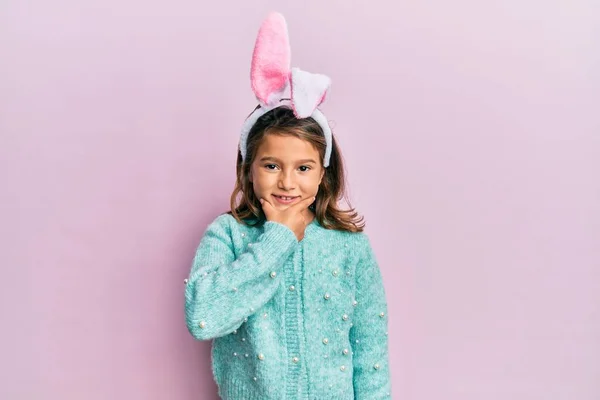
(286, 181)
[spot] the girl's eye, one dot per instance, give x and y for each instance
(304, 168)
(268, 166)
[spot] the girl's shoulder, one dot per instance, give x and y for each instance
(355, 243)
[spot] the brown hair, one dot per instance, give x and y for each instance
(281, 121)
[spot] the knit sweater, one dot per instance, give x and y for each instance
(290, 319)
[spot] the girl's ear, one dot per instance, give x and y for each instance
(270, 71)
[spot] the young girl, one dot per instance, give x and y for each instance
(286, 282)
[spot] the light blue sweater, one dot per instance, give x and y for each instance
(291, 320)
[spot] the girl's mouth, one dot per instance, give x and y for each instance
(285, 199)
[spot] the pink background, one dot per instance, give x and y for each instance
(471, 132)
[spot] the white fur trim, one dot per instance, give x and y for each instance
(322, 121)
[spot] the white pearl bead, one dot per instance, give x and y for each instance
(354, 303)
(185, 281)
(265, 315)
(292, 288)
(243, 339)
(335, 272)
(295, 360)
(245, 319)
(243, 234)
(381, 315)
(325, 341)
(327, 296)
(376, 366)
(235, 354)
(261, 356)
(235, 289)
(345, 317)
(273, 274)
(246, 355)
(202, 324)
(254, 378)
(343, 368)
(235, 332)
(345, 352)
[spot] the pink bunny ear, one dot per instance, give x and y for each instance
(308, 91)
(271, 60)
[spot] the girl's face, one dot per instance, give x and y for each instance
(285, 170)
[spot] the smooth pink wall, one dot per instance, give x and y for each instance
(472, 139)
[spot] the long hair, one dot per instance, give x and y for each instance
(246, 207)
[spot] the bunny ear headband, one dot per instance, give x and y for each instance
(275, 84)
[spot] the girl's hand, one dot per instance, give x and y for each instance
(292, 217)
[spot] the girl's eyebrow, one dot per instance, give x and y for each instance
(275, 159)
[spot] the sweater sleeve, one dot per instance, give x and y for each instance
(368, 334)
(222, 290)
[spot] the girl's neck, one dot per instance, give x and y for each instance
(309, 216)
